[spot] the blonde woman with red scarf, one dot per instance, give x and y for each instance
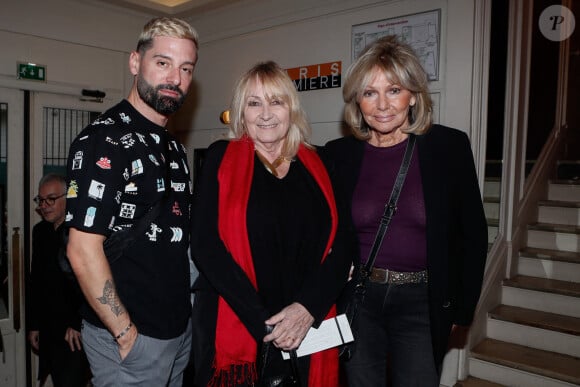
(265, 240)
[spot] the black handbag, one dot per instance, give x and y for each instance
(354, 293)
(265, 379)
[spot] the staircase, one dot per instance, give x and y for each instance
(491, 202)
(533, 337)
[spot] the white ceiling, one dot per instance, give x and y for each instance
(178, 8)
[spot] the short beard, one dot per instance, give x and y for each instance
(161, 104)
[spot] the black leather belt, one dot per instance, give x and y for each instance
(384, 276)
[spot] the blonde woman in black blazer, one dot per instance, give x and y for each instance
(428, 273)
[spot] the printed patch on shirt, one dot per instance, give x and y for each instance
(131, 188)
(153, 159)
(126, 174)
(178, 187)
(127, 210)
(104, 163)
(73, 189)
(90, 216)
(160, 185)
(174, 165)
(101, 121)
(127, 140)
(96, 190)
(118, 197)
(177, 234)
(154, 230)
(83, 138)
(175, 146)
(68, 217)
(125, 118)
(141, 138)
(176, 210)
(136, 167)
(120, 227)
(77, 162)
(156, 138)
(112, 223)
(111, 141)
(185, 166)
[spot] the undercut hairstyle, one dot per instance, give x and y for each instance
(402, 67)
(277, 85)
(50, 177)
(165, 26)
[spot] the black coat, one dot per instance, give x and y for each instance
(455, 221)
(53, 300)
(220, 274)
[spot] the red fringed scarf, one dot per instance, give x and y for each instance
(235, 348)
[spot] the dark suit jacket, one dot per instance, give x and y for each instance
(53, 299)
(456, 225)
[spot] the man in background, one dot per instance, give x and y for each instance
(53, 319)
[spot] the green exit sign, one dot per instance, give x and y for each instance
(31, 71)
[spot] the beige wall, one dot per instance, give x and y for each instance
(321, 35)
(85, 45)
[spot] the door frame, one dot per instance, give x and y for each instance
(13, 370)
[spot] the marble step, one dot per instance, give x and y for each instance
(492, 187)
(547, 295)
(476, 382)
(564, 190)
(554, 236)
(491, 207)
(517, 365)
(559, 212)
(552, 264)
(536, 329)
(492, 229)
(554, 255)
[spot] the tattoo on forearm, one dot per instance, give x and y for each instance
(110, 298)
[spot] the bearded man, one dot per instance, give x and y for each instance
(124, 164)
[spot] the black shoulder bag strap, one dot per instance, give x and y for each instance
(390, 209)
(112, 246)
(358, 293)
(141, 225)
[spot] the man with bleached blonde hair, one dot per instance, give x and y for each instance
(126, 172)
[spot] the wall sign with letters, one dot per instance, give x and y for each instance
(316, 77)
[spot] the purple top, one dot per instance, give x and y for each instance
(404, 247)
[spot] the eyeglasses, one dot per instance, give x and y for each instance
(49, 201)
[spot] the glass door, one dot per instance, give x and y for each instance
(55, 120)
(12, 263)
(28, 150)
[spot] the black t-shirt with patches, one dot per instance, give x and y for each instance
(118, 167)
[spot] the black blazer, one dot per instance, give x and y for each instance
(456, 226)
(53, 299)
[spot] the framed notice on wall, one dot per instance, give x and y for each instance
(420, 31)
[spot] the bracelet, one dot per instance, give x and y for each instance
(124, 331)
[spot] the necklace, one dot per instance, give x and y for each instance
(271, 167)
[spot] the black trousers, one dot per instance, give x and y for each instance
(393, 324)
(66, 368)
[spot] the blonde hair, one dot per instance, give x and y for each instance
(401, 66)
(277, 85)
(165, 26)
